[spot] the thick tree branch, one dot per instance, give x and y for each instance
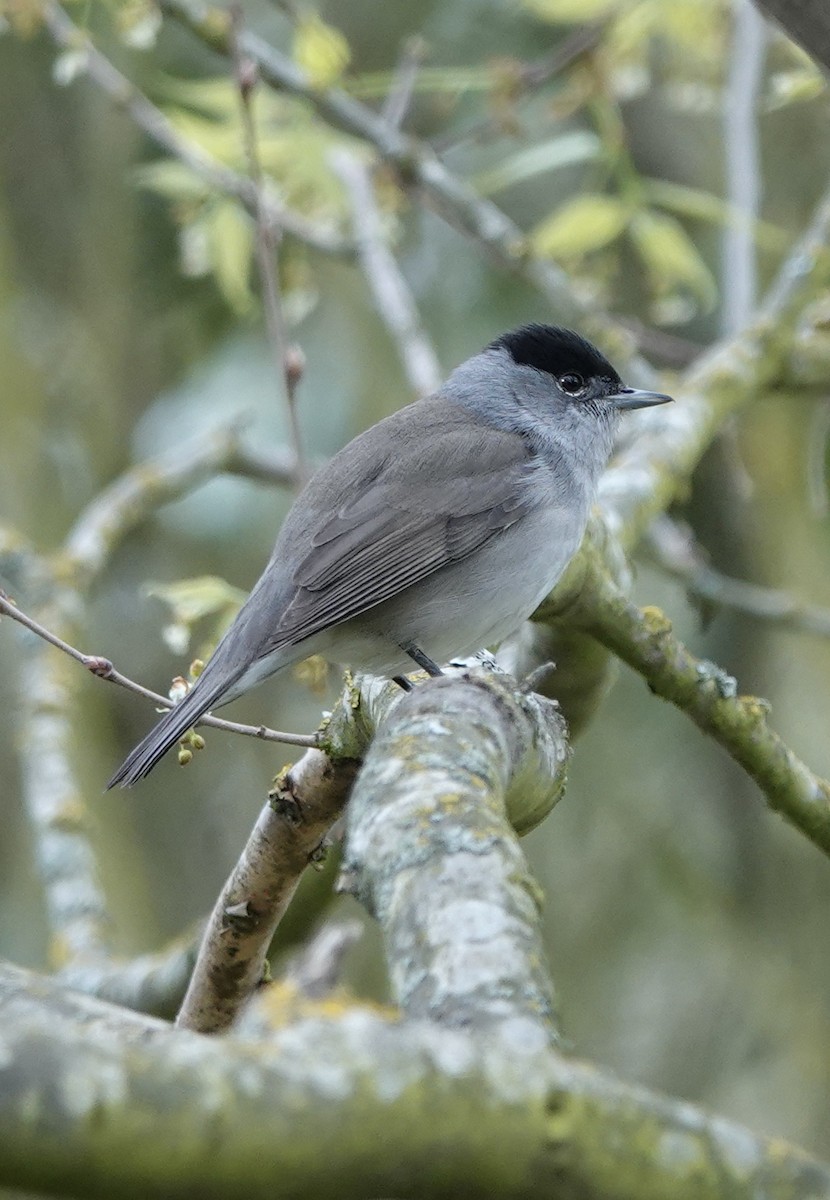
(705, 693)
(524, 748)
(675, 551)
(150, 983)
(75, 903)
(656, 465)
(100, 1101)
(287, 836)
(437, 861)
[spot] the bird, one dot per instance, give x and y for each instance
(431, 535)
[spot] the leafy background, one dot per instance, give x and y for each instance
(687, 926)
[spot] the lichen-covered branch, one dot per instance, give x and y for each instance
(48, 686)
(288, 835)
(76, 906)
(656, 465)
(150, 983)
(644, 639)
(99, 1101)
(431, 852)
(675, 551)
(454, 731)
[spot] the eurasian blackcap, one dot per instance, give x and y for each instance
(431, 535)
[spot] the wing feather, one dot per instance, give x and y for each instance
(433, 505)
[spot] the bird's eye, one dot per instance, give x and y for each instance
(572, 384)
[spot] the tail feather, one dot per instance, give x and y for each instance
(141, 760)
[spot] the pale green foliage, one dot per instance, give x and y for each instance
(564, 151)
(321, 50)
(796, 86)
(580, 226)
(671, 260)
(217, 234)
(191, 602)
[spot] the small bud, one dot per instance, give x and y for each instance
(294, 365)
(196, 668)
(248, 76)
(178, 689)
(185, 756)
(197, 742)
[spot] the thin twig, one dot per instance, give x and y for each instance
(643, 638)
(417, 164)
(528, 78)
(676, 552)
(393, 299)
(396, 105)
(102, 668)
(288, 367)
(742, 165)
(156, 125)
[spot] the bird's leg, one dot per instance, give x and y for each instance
(402, 682)
(423, 660)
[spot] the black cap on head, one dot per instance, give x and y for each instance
(556, 351)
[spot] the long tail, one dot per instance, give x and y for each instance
(141, 760)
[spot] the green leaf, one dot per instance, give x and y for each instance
(138, 23)
(671, 258)
(193, 600)
(563, 151)
(376, 85)
(230, 239)
(170, 178)
(580, 226)
(701, 205)
(190, 600)
(321, 50)
(794, 87)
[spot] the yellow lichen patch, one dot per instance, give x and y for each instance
(656, 621)
(283, 1003)
(60, 951)
(70, 815)
(312, 673)
(279, 784)
(755, 708)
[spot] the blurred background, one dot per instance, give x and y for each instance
(686, 925)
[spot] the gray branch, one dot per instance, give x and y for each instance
(431, 852)
(100, 1102)
(476, 740)
(393, 299)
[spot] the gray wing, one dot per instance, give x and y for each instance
(434, 501)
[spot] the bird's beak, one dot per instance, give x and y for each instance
(633, 398)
